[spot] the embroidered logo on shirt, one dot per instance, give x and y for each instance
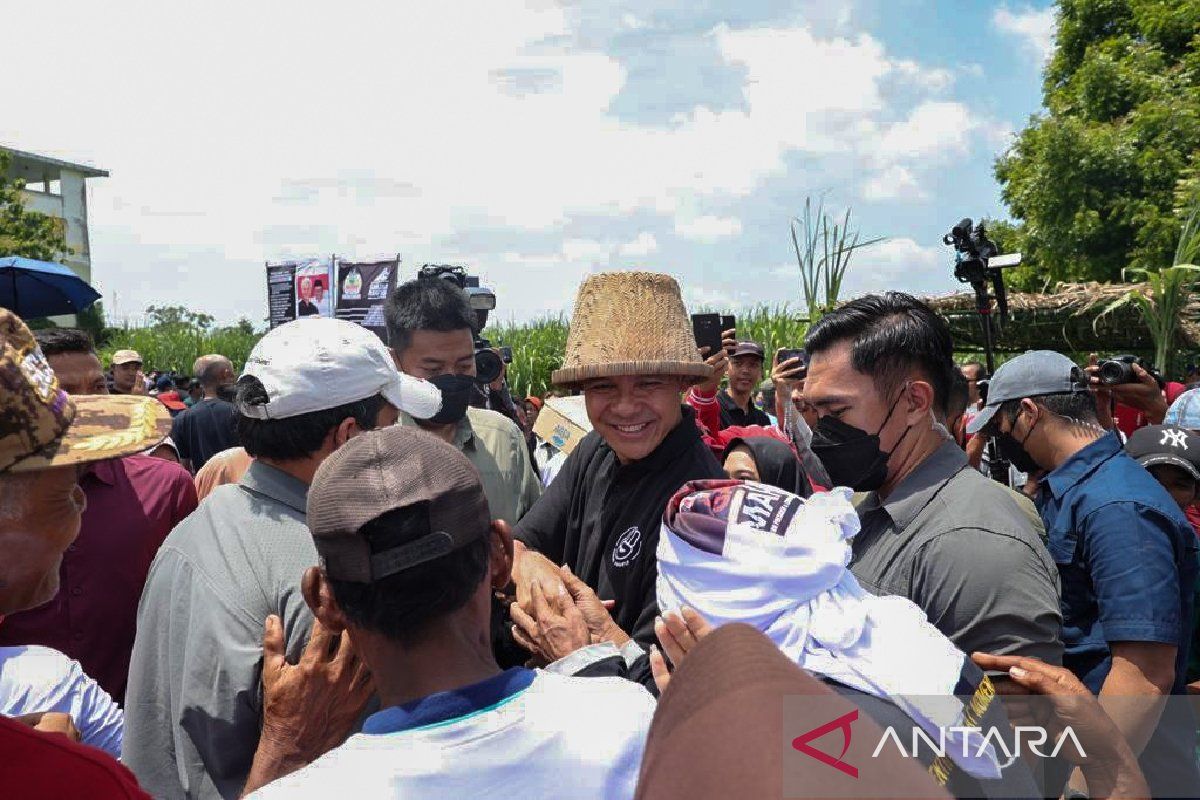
(628, 546)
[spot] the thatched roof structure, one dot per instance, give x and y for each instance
(1069, 319)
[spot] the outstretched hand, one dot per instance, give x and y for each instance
(678, 632)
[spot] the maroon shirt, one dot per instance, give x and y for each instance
(132, 504)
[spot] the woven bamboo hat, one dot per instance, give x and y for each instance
(629, 323)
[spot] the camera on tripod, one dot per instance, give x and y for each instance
(1119, 369)
(488, 365)
(977, 261)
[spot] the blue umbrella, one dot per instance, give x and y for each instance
(42, 288)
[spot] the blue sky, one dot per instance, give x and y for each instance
(535, 141)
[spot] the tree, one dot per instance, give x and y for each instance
(178, 317)
(1097, 179)
(23, 232)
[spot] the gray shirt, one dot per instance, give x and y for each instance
(194, 704)
(963, 549)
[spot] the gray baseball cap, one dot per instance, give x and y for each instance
(1033, 373)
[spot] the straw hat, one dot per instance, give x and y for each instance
(40, 427)
(629, 323)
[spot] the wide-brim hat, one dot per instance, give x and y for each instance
(629, 323)
(41, 427)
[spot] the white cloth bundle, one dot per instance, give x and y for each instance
(779, 563)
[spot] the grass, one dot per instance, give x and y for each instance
(177, 347)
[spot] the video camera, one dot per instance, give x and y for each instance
(1119, 369)
(488, 365)
(977, 261)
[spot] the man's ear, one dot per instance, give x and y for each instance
(346, 430)
(318, 594)
(501, 558)
(920, 399)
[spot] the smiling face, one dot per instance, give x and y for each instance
(634, 413)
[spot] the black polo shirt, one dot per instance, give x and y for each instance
(204, 430)
(732, 414)
(602, 518)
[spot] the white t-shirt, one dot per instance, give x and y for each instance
(35, 678)
(561, 737)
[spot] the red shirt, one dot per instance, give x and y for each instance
(49, 766)
(132, 504)
(1192, 513)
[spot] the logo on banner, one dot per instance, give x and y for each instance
(352, 285)
(628, 546)
(842, 723)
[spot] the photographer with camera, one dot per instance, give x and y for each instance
(1128, 395)
(431, 327)
(1126, 556)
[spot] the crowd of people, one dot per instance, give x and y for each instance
(353, 566)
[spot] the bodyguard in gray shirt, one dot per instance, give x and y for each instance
(194, 702)
(960, 546)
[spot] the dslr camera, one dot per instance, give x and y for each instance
(1119, 369)
(488, 365)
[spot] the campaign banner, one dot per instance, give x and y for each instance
(363, 288)
(298, 289)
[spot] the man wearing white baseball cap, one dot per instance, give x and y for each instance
(193, 706)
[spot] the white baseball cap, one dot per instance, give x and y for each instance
(319, 363)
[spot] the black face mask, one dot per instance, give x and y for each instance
(1014, 452)
(851, 456)
(457, 391)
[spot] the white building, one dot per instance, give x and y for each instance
(56, 188)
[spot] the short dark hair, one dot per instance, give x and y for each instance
(960, 395)
(299, 436)
(56, 341)
(404, 606)
(426, 304)
(1076, 407)
(889, 335)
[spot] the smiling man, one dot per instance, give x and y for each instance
(631, 352)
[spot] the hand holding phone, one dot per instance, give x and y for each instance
(706, 328)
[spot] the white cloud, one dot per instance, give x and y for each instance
(933, 130)
(934, 80)
(894, 183)
(708, 228)
(1034, 26)
(643, 245)
(900, 264)
(286, 141)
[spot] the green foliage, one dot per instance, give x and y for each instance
(538, 346)
(1167, 290)
(26, 233)
(823, 253)
(177, 337)
(1097, 178)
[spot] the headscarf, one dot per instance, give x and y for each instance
(738, 551)
(776, 462)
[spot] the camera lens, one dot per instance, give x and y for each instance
(488, 366)
(1113, 373)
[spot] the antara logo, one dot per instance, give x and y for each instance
(801, 743)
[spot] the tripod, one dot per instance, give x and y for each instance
(997, 466)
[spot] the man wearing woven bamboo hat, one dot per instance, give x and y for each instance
(45, 437)
(631, 352)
